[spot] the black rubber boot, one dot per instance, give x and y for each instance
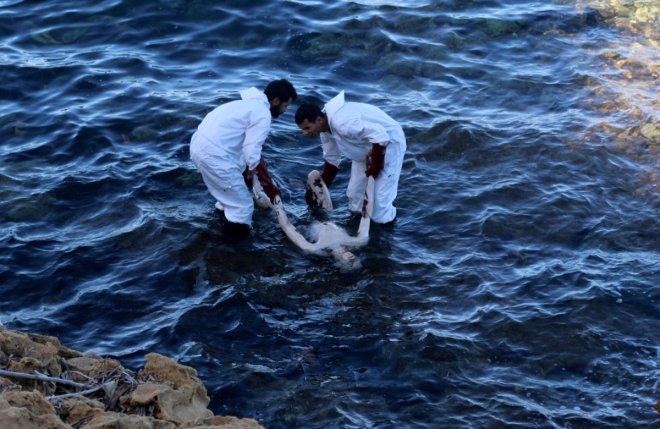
(236, 230)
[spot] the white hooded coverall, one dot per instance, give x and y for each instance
(227, 140)
(354, 127)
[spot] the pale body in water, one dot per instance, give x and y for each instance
(326, 237)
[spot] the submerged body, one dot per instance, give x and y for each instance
(326, 238)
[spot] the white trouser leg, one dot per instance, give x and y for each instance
(357, 185)
(385, 186)
(387, 183)
(225, 182)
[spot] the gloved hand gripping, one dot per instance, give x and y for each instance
(329, 173)
(266, 181)
(376, 161)
(248, 176)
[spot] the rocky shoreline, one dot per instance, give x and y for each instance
(45, 385)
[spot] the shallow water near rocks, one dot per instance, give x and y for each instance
(518, 286)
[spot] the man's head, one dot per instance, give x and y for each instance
(281, 94)
(311, 120)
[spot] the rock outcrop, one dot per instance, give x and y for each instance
(45, 385)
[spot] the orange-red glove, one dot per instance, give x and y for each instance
(376, 160)
(266, 181)
(329, 173)
(247, 176)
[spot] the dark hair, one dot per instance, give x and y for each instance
(282, 89)
(308, 111)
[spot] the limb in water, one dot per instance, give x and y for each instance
(328, 238)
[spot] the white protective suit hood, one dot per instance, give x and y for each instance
(254, 94)
(335, 104)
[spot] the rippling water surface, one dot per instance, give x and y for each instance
(517, 288)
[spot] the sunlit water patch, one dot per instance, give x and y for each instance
(626, 84)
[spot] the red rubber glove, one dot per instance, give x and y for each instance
(329, 173)
(266, 181)
(376, 160)
(247, 176)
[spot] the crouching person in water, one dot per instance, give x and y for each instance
(372, 140)
(226, 149)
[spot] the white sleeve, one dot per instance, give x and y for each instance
(331, 152)
(255, 135)
(356, 128)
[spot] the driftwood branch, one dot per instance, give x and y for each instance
(41, 377)
(76, 394)
(108, 387)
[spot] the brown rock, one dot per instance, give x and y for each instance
(32, 400)
(181, 398)
(7, 384)
(93, 366)
(28, 410)
(75, 410)
(224, 422)
(146, 394)
(124, 421)
(165, 369)
(182, 405)
(62, 351)
(29, 352)
(25, 355)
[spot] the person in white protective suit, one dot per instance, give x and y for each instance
(226, 149)
(372, 140)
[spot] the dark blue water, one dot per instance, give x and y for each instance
(518, 288)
